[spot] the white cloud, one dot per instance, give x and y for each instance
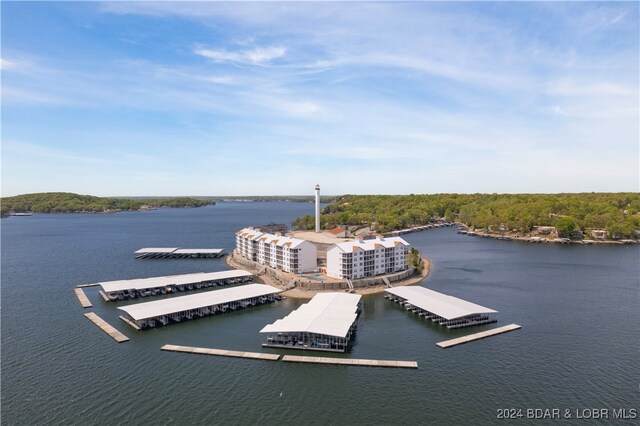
(226, 80)
(256, 56)
(6, 64)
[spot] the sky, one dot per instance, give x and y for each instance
(270, 98)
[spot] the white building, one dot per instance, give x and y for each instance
(289, 254)
(366, 258)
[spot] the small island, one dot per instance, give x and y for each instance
(66, 202)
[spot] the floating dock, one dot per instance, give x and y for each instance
(326, 323)
(84, 300)
(442, 309)
(477, 336)
(177, 253)
(177, 309)
(106, 327)
(142, 287)
(351, 361)
(221, 352)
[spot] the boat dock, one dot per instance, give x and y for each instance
(142, 287)
(471, 337)
(177, 309)
(325, 323)
(84, 300)
(177, 253)
(351, 361)
(442, 309)
(106, 327)
(220, 352)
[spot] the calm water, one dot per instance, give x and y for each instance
(578, 348)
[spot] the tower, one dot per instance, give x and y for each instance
(318, 208)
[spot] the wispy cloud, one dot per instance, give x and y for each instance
(256, 56)
(6, 64)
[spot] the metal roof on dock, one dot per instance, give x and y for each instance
(154, 282)
(176, 250)
(443, 305)
(172, 305)
(331, 314)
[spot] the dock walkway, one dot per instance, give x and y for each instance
(351, 361)
(106, 327)
(87, 285)
(220, 352)
(471, 337)
(84, 300)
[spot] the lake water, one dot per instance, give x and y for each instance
(578, 348)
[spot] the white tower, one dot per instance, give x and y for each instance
(318, 208)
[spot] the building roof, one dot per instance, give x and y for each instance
(249, 233)
(331, 314)
(337, 230)
(172, 305)
(446, 306)
(156, 250)
(198, 251)
(388, 242)
(153, 282)
(278, 240)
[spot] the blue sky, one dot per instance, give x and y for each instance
(170, 98)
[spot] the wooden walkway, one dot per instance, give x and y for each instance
(351, 361)
(106, 327)
(471, 337)
(88, 285)
(131, 323)
(104, 296)
(220, 352)
(84, 301)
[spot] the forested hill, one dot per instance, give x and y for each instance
(66, 202)
(617, 212)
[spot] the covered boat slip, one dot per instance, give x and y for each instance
(141, 287)
(326, 323)
(442, 309)
(177, 309)
(176, 253)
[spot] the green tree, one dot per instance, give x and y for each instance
(566, 226)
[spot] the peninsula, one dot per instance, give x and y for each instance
(66, 202)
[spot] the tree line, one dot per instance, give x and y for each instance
(617, 213)
(66, 202)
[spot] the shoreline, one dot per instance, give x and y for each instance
(510, 236)
(296, 293)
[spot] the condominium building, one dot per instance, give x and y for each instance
(366, 258)
(277, 251)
